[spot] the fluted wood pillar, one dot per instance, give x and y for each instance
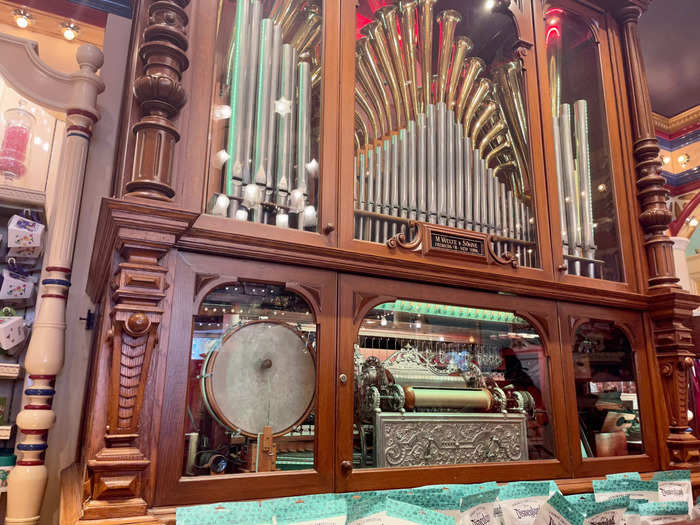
(671, 307)
(44, 360)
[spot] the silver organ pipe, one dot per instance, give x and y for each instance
(272, 78)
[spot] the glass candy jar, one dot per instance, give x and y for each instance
(15, 141)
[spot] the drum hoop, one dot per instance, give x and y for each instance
(208, 395)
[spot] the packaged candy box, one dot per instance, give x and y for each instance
(24, 237)
(15, 285)
(12, 332)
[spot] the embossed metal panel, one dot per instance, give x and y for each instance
(414, 439)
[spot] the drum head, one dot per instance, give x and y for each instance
(262, 375)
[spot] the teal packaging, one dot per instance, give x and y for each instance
(605, 489)
(609, 512)
(478, 509)
(663, 512)
(576, 498)
(521, 502)
(558, 511)
(232, 513)
(674, 485)
(378, 510)
(624, 475)
(312, 511)
(444, 502)
(631, 515)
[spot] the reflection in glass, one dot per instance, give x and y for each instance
(252, 380)
(266, 114)
(584, 176)
(441, 131)
(606, 391)
(30, 138)
(438, 384)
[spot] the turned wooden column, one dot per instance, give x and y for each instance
(160, 95)
(671, 307)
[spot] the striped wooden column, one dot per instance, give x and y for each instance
(27, 481)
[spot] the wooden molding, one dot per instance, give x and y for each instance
(670, 125)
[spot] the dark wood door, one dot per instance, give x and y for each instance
(609, 362)
(360, 296)
(196, 276)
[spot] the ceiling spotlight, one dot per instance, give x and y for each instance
(683, 160)
(69, 30)
(22, 18)
(693, 222)
(666, 159)
(602, 188)
(489, 4)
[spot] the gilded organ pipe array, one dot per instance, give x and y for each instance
(443, 143)
(272, 67)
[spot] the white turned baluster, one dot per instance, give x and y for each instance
(27, 480)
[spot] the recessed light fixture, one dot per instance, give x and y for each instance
(683, 160)
(22, 18)
(666, 159)
(69, 30)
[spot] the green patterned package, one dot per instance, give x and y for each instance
(609, 512)
(577, 498)
(461, 489)
(521, 502)
(624, 475)
(674, 485)
(605, 489)
(444, 502)
(312, 511)
(478, 509)
(663, 512)
(232, 513)
(631, 515)
(380, 510)
(558, 511)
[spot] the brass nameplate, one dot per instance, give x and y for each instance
(460, 243)
(435, 239)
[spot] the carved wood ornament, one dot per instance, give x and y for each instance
(671, 307)
(161, 95)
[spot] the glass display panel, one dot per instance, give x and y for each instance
(265, 133)
(584, 174)
(30, 138)
(606, 392)
(439, 385)
(252, 382)
(441, 129)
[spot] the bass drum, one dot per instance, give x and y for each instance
(263, 374)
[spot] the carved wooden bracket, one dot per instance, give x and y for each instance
(675, 353)
(431, 239)
(160, 95)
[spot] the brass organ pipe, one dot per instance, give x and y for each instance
(448, 21)
(477, 190)
(357, 141)
(426, 42)
(395, 175)
(407, 9)
(388, 16)
(387, 176)
(309, 22)
(491, 199)
(285, 130)
(511, 164)
(463, 47)
(500, 148)
(584, 179)
(403, 177)
(487, 110)
(483, 173)
(474, 68)
(378, 43)
(290, 19)
(570, 197)
(276, 86)
(476, 100)
(313, 38)
(491, 134)
(373, 68)
(359, 122)
(367, 84)
(365, 105)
